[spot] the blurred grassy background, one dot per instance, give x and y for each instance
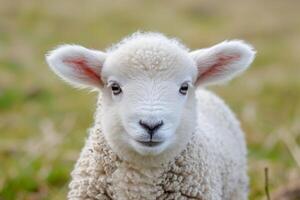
(43, 121)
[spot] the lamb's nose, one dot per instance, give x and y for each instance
(151, 128)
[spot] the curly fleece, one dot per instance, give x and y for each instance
(211, 167)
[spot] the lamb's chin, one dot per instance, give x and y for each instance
(149, 148)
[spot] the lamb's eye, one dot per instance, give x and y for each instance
(116, 89)
(184, 88)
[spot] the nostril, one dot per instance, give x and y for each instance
(151, 128)
(158, 125)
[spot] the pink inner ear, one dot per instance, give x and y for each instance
(82, 67)
(219, 65)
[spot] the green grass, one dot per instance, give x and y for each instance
(43, 122)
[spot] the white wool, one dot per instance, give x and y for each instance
(198, 151)
(141, 36)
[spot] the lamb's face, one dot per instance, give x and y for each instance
(148, 87)
(148, 97)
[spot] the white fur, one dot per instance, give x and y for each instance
(198, 130)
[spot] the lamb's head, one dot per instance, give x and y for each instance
(148, 85)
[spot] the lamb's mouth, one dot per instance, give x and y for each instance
(150, 143)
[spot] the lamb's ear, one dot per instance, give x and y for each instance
(79, 66)
(222, 62)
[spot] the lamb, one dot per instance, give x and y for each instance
(158, 134)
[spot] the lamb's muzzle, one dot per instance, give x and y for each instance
(151, 128)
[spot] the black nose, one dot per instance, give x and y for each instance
(151, 128)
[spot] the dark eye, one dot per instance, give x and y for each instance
(184, 88)
(116, 89)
